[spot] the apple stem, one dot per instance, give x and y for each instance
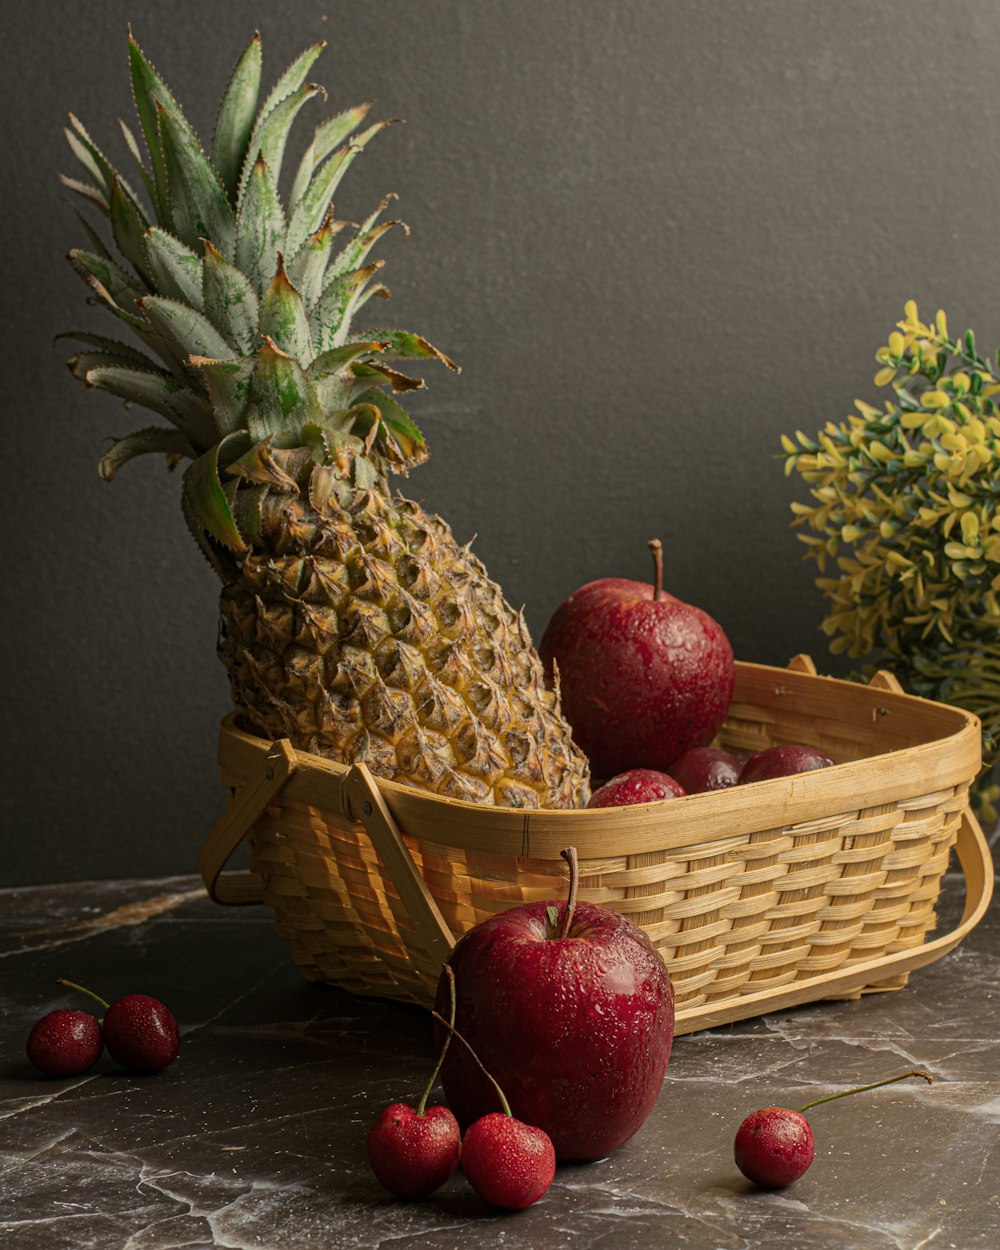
(83, 990)
(656, 547)
(422, 1104)
(569, 855)
(468, 1046)
(861, 1088)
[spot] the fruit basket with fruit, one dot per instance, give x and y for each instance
(399, 763)
(821, 885)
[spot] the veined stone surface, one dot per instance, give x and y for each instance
(255, 1136)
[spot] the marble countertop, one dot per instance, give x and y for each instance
(255, 1137)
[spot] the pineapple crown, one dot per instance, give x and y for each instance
(242, 303)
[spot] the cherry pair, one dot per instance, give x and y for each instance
(414, 1150)
(139, 1032)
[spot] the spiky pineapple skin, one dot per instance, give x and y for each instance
(363, 631)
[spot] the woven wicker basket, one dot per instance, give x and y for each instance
(821, 885)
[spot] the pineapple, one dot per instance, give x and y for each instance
(352, 621)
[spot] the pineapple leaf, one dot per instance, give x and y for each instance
(236, 113)
(128, 227)
(281, 395)
(230, 302)
(410, 440)
(332, 315)
(293, 78)
(96, 241)
(260, 228)
(310, 211)
(185, 328)
(132, 144)
(155, 438)
(307, 270)
(89, 192)
(151, 93)
(405, 345)
(120, 286)
(271, 136)
(248, 509)
(333, 361)
(161, 393)
(81, 363)
(228, 385)
(262, 467)
(364, 371)
(351, 256)
(283, 317)
(199, 207)
(100, 168)
(325, 138)
(205, 501)
(125, 353)
(174, 268)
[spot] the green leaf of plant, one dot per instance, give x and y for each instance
(260, 228)
(262, 466)
(236, 114)
(87, 190)
(96, 242)
(308, 268)
(129, 229)
(367, 235)
(123, 353)
(405, 345)
(160, 393)
(228, 385)
(206, 503)
(199, 207)
(312, 208)
(283, 317)
(173, 266)
(191, 333)
(103, 172)
(230, 302)
(149, 90)
(293, 78)
(270, 138)
(123, 289)
(411, 442)
(155, 439)
(133, 147)
(331, 318)
(280, 394)
(81, 363)
(327, 135)
(399, 382)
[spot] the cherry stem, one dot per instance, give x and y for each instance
(861, 1088)
(569, 855)
(422, 1104)
(468, 1046)
(656, 547)
(83, 990)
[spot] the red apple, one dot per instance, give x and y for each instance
(642, 676)
(638, 785)
(706, 768)
(570, 1008)
(782, 761)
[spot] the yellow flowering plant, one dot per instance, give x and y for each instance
(905, 523)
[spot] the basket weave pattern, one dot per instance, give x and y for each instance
(741, 893)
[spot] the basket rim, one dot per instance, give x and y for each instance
(948, 759)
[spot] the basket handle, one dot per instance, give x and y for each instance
(977, 868)
(235, 823)
(363, 801)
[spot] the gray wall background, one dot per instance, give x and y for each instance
(656, 234)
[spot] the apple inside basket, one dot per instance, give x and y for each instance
(818, 885)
